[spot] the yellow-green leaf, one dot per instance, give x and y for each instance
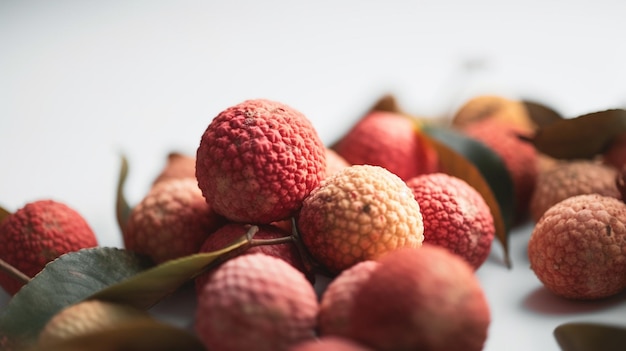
(145, 289)
(541, 114)
(122, 208)
(134, 335)
(4, 213)
(590, 337)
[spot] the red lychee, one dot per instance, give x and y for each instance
(390, 140)
(258, 160)
(256, 302)
(421, 299)
(336, 301)
(357, 214)
(519, 157)
(570, 178)
(329, 343)
(230, 232)
(38, 233)
(178, 165)
(455, 216)
(171, 221)
(578, 250)
(334, 162)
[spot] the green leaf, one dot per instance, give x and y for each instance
(582, 137)
(68, 279)
(134, 335)
(590, 337)
(122, 208)
(151, 286)
(479, 166)
(541, 114)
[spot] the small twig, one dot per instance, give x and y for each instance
(311, 265)
(13, 272)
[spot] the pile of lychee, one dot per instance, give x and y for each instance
(396, 237)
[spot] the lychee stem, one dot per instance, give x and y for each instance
(13, 272)
(312, 265)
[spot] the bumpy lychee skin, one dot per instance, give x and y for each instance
(421, 299)
(171, 221)
(256, 302)
(357, 214)
(230, 232)
(177, 165)
(329, 343)
(258, 160)
(389, 140)
(336, 301)
(87, 317)
(578, 248)
(455, 216)
(571, 178)
(519, 157)
(38, 233)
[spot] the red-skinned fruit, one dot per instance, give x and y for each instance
(258, 160)
(171, 221)
(455, 216)
(177, 165)
(421, 299)
(38, 233)
(390, 140)
(256, 302)
(577, 249)
(230, 232)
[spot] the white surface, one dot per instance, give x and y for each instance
(83, 81)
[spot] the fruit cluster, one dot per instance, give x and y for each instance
(397, 226)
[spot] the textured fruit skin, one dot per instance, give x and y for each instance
(389, 140)
(178, 165)
(171, 221)
(230, 232)
(256, 302)
(571, 178)
(85, 317)
(329, 343)
(336, 301)
(519, 157)
(578, 248)
(421, 299)
(455, 216)
(359, 213)
(258, 160)
(38, 233)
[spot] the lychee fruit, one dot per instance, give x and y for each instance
(87, 317)
(38, 233)
(171, 221)
(570, 178)
(256, 302)
(334, 162)
(421, 299)
(519, 158)
(455, 216)
(329, 343)
(357, 214)
(390, 140)
(178, 165)
(501, 108)
(577, 249)
(230, 232)
(336, 300)
(258, 160)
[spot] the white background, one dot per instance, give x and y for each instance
(82, 82)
